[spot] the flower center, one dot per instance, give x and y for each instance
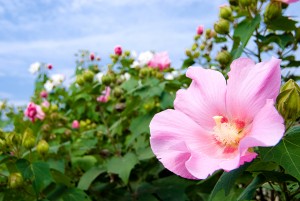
(228, 133)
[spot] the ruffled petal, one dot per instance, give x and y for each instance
(250, 85)
(170, 130)
(267, 128)
(204, 98)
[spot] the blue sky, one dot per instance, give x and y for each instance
(53, 31)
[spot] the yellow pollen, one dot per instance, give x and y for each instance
(227, 133)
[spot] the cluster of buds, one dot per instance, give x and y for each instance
(87, 124)
(86, 77)
(224, 58)
(288, 101)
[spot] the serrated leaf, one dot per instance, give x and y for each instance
(286, 153)
(122, 165)
(88, 177)
(38, 172)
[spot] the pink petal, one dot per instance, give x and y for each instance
(250, 85)
(267, 128)
(170, 130)
(204, 98)
(40, 114)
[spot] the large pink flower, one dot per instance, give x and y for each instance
(160, 60)
(34, 112)
(215, 125)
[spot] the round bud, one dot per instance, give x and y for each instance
(117, 92)
(188, 53)
(15, 180)
(80, 80)
(223, 58)
(106, 79)
(222, 26)
(88, 76)
(28, 140)
(196, 55)
(273, 11)
(42, 147)
(225, 12)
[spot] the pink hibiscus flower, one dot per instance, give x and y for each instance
(75, 124)
(105, 95)
(215, 125)
(34, 112)
(160, 60)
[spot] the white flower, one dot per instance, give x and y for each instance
(135, 64)
(172, 75)
(48, 86)
(125, 76)
(145, 57)
(35, 67)
(99, 76)
(57, 79)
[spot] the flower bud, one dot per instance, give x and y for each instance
(273, 11)
(223, 58)
(117, 92)
(188, 52)
(225, 12)
(288, 101)
(28, 140)
(222, 26)
(42, 147)
(245, 3)
(106, 79)
(88, 76)
(207, 33)
(196, 55)
(80, 80)
(118, 50)
(92, 56)
(75, 124)
(49, 66)
(15, 180)
(43, 94)
(194, 46)
(200, 30)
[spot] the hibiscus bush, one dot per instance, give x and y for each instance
(139, 128)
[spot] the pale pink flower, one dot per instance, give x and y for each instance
(43, 94)
(118, 50)
(160, 60)
(288, 1)
(215, 125)
(200, 30)
(45, 104)
(34, 111)
(75, 124)
(105, 95)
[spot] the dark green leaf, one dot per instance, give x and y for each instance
(282, 23)
(88, 177)
(187, 63)
(248, 193)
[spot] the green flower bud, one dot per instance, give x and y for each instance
(15, 180)
(13, 139)
(88, 121)
(117, 92)
(127, 53)
(225, 12)
(53, 108)
(202, 47)
(80, 80)
(28, 140)
(222, 26)
(207, 33)
(223, 58)
(196, 54)
(194, 46)
(188, 53)
(273, 11)
(106, 80)
(42, 147)
(82, 124)
(144, 72)
(288, 101)
(245, 3)
(159, 75)
(88, 76)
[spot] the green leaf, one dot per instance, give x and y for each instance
(38, 172)
(282, 23)
(282, 40)
(286, 153)
(75, 194)
(88, 177)
(245, 29)
(187, 63)
(130, 85)
(60, 178)
(248, 193)
(138, 126)
(227, 181)
(122, 165)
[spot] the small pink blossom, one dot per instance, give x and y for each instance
(200, 30)
(160, 60)
(215, 125)
(92, 56)
(105, 95)
(45, 104)
(43, 94)
(288, 1)
(118, 50)
(75, 124)
(34, 111)
(49, 66)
